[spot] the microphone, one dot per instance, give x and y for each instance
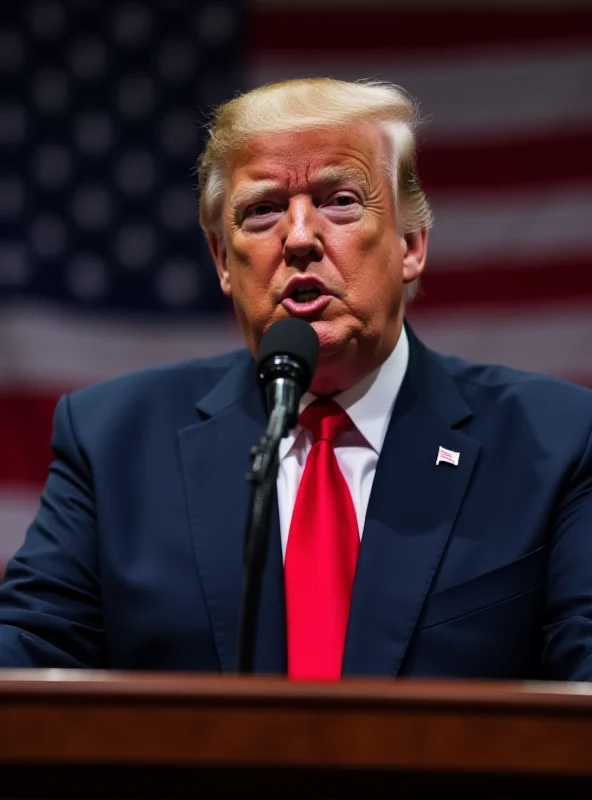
(287, 359)
(288, 356)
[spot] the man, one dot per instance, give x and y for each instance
(442, 526)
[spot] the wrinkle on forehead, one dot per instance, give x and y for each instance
(293, 163)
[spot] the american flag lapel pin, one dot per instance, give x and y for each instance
(447, 456)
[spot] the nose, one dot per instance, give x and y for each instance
(303, 241)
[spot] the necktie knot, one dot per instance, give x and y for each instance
(326, 420)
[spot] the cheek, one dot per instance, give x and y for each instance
(374, 282)
(371, 238)
(367, 259)
(251, 277)
(253, 260)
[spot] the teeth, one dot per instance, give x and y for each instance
(305, 295)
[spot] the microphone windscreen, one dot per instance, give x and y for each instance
(291, 337)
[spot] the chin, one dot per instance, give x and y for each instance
(324, 386)
(332, 373)
(332, 340)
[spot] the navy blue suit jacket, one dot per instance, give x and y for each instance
(134, 560)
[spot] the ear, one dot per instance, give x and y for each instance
(218, 251)
(414, 254)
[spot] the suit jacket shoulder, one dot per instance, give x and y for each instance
(514, 398)
(110, 408)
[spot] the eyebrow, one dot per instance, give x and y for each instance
(253, 193)
(327, 176)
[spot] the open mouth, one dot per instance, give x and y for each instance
(305, 294)
(307, 300)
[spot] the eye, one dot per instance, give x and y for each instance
(343, 200)
(343, 206)
(260, 216)
(259, 210)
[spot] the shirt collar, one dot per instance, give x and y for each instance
(370, 402)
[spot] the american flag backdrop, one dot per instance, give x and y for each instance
(103, 268)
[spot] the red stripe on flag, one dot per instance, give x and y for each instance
(518, 163)
(352, 32)
(26, 417)
(507, 285)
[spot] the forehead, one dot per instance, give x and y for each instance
(298, 157)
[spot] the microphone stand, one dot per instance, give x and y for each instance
(262, 476)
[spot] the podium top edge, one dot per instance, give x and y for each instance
(199, 689)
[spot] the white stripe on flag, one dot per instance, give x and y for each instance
(519, 225)
(556, 341)
(491, 94)
(50, 346)
(44, 348)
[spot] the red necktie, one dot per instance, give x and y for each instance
(322, 553)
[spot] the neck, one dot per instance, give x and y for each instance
(338, 373)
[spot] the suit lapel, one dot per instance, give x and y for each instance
(411, 512)
(215, 455)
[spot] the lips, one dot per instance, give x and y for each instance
(305, 296)
(308, 309)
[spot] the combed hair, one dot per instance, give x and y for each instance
(311, 103)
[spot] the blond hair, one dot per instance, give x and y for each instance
(310, 103)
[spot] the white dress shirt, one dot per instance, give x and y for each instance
(370, 405)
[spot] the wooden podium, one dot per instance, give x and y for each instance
(121, 735)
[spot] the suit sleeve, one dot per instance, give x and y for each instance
(50, 599)
(567, 646)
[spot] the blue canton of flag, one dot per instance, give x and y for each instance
(103, 107)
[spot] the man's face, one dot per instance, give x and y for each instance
(310, 230)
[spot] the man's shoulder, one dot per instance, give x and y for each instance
(179, 381)
(490, 377)
(506, 388)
